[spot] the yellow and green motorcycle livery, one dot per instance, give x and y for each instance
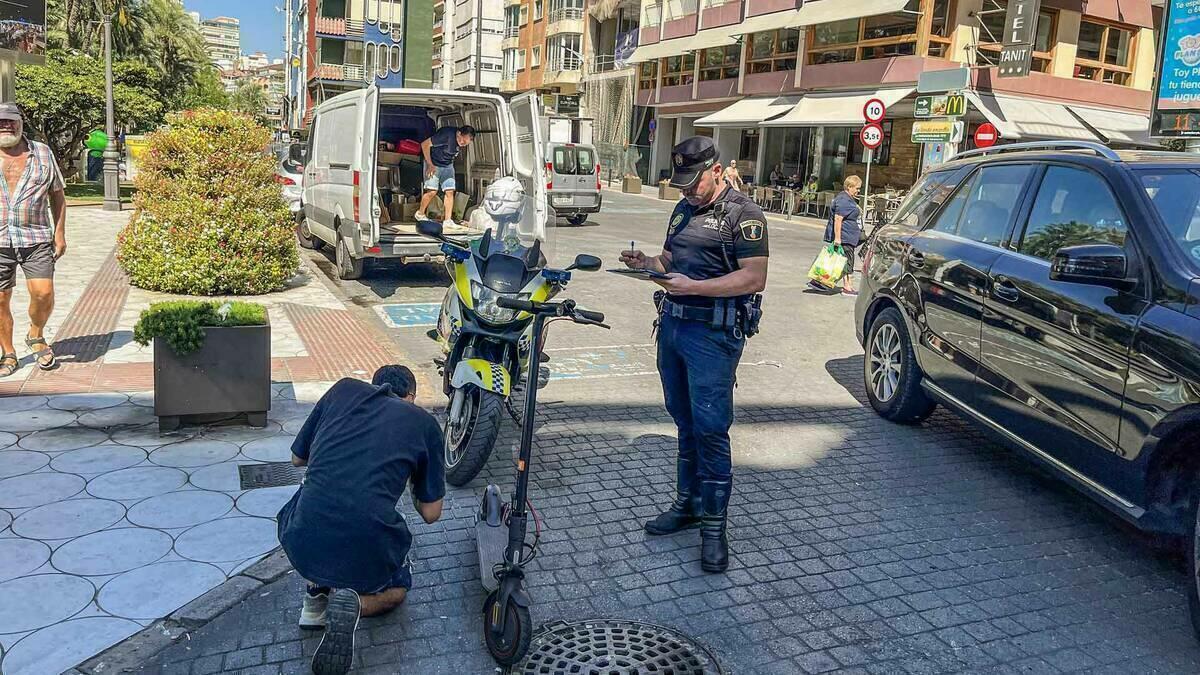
(487, 346)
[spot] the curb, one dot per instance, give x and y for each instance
(777, 218)
(128, 655)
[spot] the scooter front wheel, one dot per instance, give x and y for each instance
(512, 644)
(469, 440)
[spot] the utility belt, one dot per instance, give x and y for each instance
(740, 315)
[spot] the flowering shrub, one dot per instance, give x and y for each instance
(208, 217)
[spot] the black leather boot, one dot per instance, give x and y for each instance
(714, 546)
(685, 510)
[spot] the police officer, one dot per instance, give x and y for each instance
(715, 258)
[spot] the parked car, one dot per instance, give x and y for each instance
(573, 180)
(360, 199)
(1051, 293)
(289, 172)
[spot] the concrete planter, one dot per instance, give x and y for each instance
(229, 376)
(631, 185)
(671, 194)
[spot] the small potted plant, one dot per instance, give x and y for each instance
(212, 361)
(665, 191)
(631, 184)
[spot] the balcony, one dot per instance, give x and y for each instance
(512, 3)
(339, 27)
(508, 83)
(604, 63)
(566, 70)
(341, 71)
(511, 38)
(565, 20)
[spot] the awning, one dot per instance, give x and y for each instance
(749, 112)
(835, 109)
(713, 37)
(1029, 119)
(818, 11)
(1117, 127)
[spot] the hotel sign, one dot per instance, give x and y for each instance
(1020, 31)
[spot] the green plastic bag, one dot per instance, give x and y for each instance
(827, 269)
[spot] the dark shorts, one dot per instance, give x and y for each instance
(36, 261)
(848, 249)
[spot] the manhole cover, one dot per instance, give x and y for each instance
(271, 474)
(615, 647)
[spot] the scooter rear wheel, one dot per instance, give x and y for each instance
(467, 451)
(511, 646)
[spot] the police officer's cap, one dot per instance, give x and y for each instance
(691, 158)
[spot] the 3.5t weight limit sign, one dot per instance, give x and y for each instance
(871, 136)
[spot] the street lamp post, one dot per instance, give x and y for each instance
(112, 186)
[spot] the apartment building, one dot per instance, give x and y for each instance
(782, 83)
(223, 38)
(342, 45)
(466, 44)
(609, 82)
(543, 50)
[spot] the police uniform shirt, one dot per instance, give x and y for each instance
(695, 239)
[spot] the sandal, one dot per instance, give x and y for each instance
(8, 364)
(38, 354)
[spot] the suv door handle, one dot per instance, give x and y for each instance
(1003, 289)
(916, 258)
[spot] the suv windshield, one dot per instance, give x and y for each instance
(1175, 194)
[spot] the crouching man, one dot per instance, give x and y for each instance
(342, 530)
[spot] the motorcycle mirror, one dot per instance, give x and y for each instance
(430, 228)
(586, 263)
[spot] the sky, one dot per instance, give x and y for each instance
(262, 26)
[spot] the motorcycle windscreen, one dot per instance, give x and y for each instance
(516, 231)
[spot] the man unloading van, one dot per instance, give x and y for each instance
(439, 151)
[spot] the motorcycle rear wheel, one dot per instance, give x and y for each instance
(467, 451)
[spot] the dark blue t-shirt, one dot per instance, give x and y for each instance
(848, 209)
(363, 445)
(445, 146)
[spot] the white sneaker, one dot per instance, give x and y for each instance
(420, 215)
(312, 615)
(446, 224)
(335, 653)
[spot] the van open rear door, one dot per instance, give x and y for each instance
(529, 151)
(369, 189)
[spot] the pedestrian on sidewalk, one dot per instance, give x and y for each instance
(715, 259)
(31, 194)
(733, 178)
(343, 531)
(844, 228)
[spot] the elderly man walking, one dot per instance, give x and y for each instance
(32, 189)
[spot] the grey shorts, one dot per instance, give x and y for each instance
(36, 261)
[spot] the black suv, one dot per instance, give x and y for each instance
(1051, 292)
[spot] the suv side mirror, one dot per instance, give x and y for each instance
(430, 228)
(586, 263)
(1096, 264)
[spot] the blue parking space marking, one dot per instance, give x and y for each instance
(574, 363)
(411, 315)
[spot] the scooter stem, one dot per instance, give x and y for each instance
(516, 528)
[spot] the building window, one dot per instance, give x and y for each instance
(520, 60)
(1104, 53)
(720, 63)
(652, 15)
(678, 70)
(537, 10)
(774, 50)
(872, 37)
(941, 27)
(537, 57)
(563, 52)
(524, 14)
(647, 74)
(991, 35)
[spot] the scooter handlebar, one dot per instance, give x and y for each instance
(595, 317)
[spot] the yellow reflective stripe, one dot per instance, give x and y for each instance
(463, 284)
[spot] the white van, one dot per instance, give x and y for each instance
(360, 200)
(573, 181)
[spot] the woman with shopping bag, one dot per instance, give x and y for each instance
(844, 228)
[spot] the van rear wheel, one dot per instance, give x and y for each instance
(349, 268)
(578, 219)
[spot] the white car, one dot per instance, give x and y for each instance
(289, 172)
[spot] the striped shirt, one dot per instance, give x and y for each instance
(25, 213)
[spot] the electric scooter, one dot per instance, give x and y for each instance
(503, 553)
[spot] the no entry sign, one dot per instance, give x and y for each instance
(986, 135)
(871, 136)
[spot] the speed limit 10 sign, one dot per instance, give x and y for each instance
(871, 136)
(874, 110)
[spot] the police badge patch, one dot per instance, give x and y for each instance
(678, 160)
(675, 223)
(752, 230)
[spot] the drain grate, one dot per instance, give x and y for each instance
(615, 647)
(271, 474)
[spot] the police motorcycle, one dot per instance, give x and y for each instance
(487, 345)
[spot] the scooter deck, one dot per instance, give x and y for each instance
(491, 542)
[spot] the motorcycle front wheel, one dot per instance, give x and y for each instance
(469, 440)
